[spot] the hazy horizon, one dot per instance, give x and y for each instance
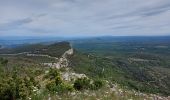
(83, 36)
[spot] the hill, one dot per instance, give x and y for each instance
(53, 71)
(143, 66)
(55, 50)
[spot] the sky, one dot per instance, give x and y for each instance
(84, 17)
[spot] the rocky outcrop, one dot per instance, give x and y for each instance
(40, 55)
(71, 76)
(62, 62)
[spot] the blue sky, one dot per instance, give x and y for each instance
(84, 17)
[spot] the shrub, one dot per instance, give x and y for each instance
(58, 80)
(63, 87)
(53, 73)
(15, 88)
(51, 86)
(62, 69)
(3, 61)
(82, 83)
(97, 84)
(7, 90)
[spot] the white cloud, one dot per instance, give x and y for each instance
(84, 17)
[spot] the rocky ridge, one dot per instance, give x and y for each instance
(111, 88)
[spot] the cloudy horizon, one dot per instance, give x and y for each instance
(84, 17)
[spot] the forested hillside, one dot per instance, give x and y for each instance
(143, 66)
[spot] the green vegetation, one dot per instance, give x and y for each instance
(3, 61)
(24, 77)
(54, 50)
(82, 83)
(85, 83)
(141, 66)
(21, 76)
(134, 66)
(56, 84)
(16, 85)
(97, 84)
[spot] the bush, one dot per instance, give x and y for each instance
(7, 90)
(52, 74)
(97, 84)
(51, 86)
(82, 83)
(57, 85)
(3, 61)
(15, 88)
(63, 87)
(58, 80)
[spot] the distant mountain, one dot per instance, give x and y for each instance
(137, 39)
(19, 41)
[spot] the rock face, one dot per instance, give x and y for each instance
(62, 62)
(70, 76)
(40, 55)
(68, 52)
